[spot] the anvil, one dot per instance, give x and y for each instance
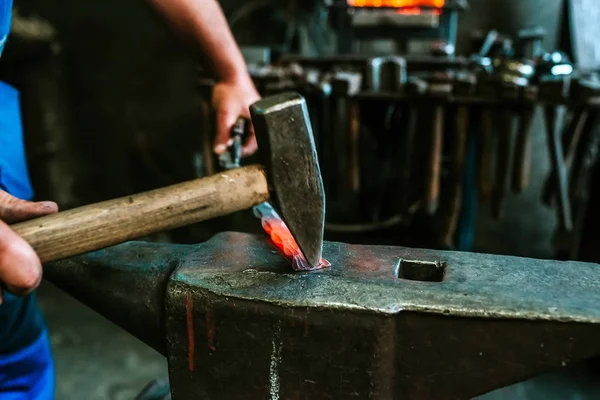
(382, 322)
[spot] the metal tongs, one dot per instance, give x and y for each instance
(233, 156)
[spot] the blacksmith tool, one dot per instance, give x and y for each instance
(529, 44)
(583, 91)
(483, 46)
(386, 74)
(581, 186)
(554, 88)
(511, 77)
(289, 178)
(522, 154)
(464, 86)
(529, 47)
(387, 77)
(233, 156)
(381, 323)
(440, 88)
(587, 88)
(344, 149)
(415, 88)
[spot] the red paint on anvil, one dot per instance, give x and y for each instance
(210, 329)
(189, 313)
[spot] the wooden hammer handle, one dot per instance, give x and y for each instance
(111, 222)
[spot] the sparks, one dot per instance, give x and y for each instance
(282, 238)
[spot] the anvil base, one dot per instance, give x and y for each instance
(383, 322)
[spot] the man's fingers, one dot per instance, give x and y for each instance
(20, 267)
(250, 146)
(14, 210)
(225, 121)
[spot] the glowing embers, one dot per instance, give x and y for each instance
(409, 4)
(282, 238)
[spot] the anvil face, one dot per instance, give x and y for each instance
(239, 323)
(247, 327)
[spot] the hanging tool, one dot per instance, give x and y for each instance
(387, 76)
(554, 90)
(503, 159)
(582, 92)
(464, 86)
(415, 89)
(486, 46)
(344, 144)
(289, 178)
(587, 88)
(440, 88)
(528, 47)
(510, 76)
(522, 153)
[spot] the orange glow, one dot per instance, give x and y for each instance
(410, 4)
(282, 239)
(413, 11)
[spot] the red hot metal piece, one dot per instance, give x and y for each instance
(282, 238)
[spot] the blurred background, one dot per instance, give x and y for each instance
(113, 103)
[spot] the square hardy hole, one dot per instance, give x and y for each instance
(422, 271)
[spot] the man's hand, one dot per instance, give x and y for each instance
(231, 101)
(203, 23)
(20, 267)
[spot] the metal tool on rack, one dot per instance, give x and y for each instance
(583, 92)
(343, 140)
(464, 87)
(529, 47)
(488, 46)
(511, 77)
(554, 90)
(439, 90)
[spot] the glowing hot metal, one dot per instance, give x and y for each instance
(282, 238)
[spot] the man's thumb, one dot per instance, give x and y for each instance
(14, 210)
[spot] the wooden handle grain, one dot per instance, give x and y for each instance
(104, 224)
(522, 157)
(434, 167)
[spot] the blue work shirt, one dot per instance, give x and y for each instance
(21, 323)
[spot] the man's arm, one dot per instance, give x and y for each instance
(204, 23)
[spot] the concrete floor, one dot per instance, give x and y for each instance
(95, 359)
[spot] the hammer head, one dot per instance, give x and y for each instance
(287, 150)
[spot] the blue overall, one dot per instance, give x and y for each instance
(26, 368)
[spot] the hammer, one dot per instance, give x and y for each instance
(289, 177)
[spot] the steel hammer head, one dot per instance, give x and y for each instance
(287, 150)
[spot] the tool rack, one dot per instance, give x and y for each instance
(412, 140)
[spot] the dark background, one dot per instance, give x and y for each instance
(116, 110)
